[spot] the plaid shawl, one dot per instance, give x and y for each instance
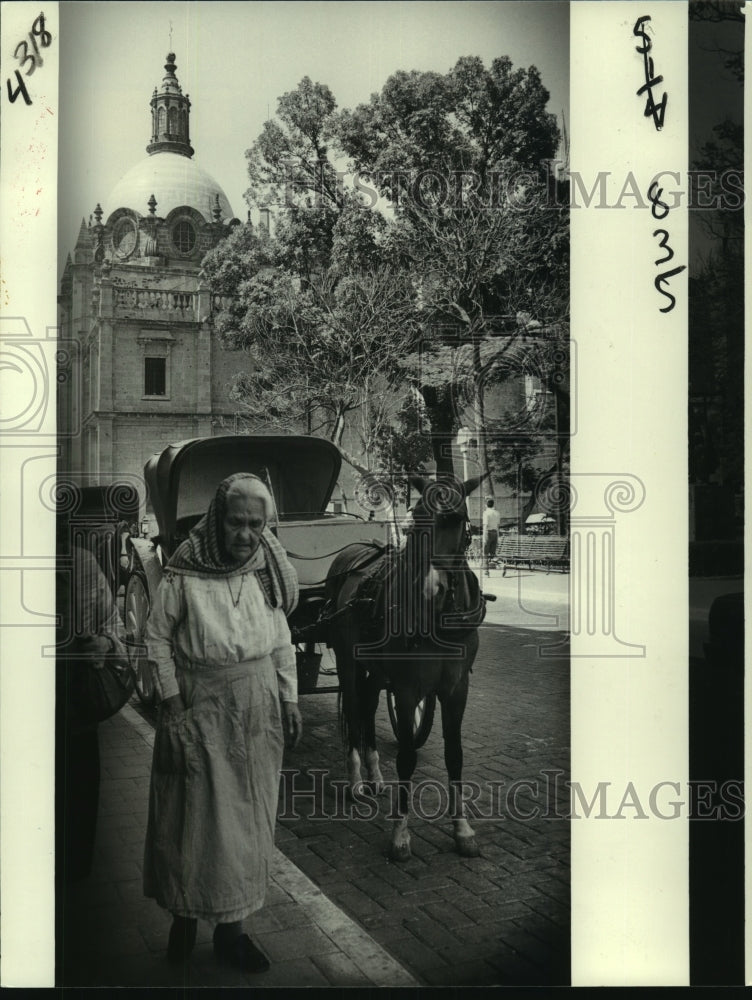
(203, 553)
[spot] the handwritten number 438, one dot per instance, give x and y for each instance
(37, 36)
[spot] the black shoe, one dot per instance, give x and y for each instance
(241, 953)
(182, 939)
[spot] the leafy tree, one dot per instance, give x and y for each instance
(402, 445)
(320, 343)
(465, 124)
(723, 12)
(464, 159)
(290, 164)
(341, 303)
(526, 452)
(518, 457)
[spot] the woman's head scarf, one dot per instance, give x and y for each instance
(203, 552)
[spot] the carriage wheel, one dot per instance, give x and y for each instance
(422, 718)
(136, 612)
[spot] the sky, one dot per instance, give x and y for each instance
(235, 59)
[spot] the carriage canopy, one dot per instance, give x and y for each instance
(182, 479)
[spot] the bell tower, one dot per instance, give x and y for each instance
(170, 115)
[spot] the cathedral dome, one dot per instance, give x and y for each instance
(168, 172)
(174, 180)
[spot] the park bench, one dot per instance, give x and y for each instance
(515, 550)
(534, 551)
(551, 552)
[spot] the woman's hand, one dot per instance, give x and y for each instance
(293, 723)
(172, 706)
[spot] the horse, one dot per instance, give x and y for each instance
(408, 618)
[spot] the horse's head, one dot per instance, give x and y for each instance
(440, 519)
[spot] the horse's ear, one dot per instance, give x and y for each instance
(470, 485)
(419, 483)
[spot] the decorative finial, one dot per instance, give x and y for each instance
(216, 211)
(98, 214)
(152, 203)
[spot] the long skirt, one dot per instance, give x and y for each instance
(213, 794)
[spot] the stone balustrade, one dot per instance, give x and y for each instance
(155, 302)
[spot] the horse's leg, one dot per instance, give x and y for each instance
(407, 757)
(350, 713)
(371, 692)
(452, 712)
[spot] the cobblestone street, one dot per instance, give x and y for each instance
(500, 918)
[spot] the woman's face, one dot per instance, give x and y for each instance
(243, 525)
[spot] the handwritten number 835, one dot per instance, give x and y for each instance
(660, 210)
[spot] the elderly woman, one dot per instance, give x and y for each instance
(224, 666)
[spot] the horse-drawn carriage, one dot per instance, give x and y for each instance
(301, 473)
(400, 617)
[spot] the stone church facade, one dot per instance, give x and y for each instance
(141, 368)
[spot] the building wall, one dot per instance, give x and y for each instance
(137, 438)
(224, 366)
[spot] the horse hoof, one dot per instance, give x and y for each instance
(400, 853)
(467, 847)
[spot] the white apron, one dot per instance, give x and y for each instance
(213, 793)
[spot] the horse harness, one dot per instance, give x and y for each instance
(375, 602)
(369, 602)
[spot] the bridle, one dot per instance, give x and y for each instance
(447, 606)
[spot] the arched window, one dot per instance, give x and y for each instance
(161, 120)
(184, 124)
(172, 120)
(184, 236)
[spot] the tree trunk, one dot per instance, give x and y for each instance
(442, 420)
(353, 462)
(339, 428)
(480, 417)
(526, 508)
(335, 437)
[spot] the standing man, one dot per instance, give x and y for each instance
(490, 533)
